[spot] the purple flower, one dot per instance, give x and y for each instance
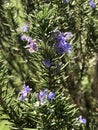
(27, 89)
(59, 36)
(24, 92)
(24, 37)
(21, 98)
(43, 96)
(32, 46)
(61, 42)
(82, 120)
(92, 4)
(51, 96)
(65, 1)
(30, 40)
(25, 28)
(63, 47)
(68, 35)
(63, 37)
(31, 43)
(47, 63)
(67, 47)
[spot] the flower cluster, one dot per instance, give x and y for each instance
(81, 120)
(62, 44)
(43, 96)
(24, 92)
(31, 46)
(92, 4)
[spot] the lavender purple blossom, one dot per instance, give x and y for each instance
(51, 96)
(65, 1)
(44, 96)
(29, 40)
(24, 38)
(81, 120)
(47, 63)
(68, 35)
(92, 4)
(62, 44)
(26, 90)
(32, 47)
